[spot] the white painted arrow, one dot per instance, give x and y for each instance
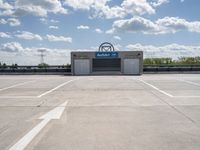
(53, 114)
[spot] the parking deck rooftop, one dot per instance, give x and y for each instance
(149, 112)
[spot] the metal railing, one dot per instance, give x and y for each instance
(67, 69)
(171, 68)
(34, 69)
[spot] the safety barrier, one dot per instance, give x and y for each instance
(171, 68)
(67, 70)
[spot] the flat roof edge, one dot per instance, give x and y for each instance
(98, 51)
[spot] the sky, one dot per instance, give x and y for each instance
(160, 28)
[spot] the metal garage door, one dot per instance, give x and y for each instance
(106, 64)
(131, 66)
(81, 66)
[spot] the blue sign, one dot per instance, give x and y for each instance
(106, 54)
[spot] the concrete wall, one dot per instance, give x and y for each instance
(132, 55)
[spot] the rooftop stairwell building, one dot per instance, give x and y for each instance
(107, 61)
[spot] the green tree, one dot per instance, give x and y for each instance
(14, 66)
(4, 65)
(43, 65)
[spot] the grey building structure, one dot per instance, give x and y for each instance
(107, 62)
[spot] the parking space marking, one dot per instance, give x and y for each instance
(161, 91)
(17, 97)
(59, 86)
(15, 85)
(56, 113)
(186, 96)
(189, 82)
(170, 95)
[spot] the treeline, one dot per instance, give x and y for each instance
(170, 61)
(4, 65)
(44, 65)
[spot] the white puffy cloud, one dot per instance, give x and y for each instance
(82, 27)
(4, 35)
(53, 38)
(46, 21)
(11, 47)
(118, 47)
(160, 26)
(30, 10)
(157, 3)
(127, 7)
(5, 5)
(137, 7)
(101, 8)
(6, 9)
(171, 50)
(135, 24)
(32, 7)
(85, 4)
(7, 12)
(53, 27)
(54, 21)
(117, 37)
(28, 36)
(82, 4)
(97, 30)
(110, 12)
(3, 21)
(98, 8)
(39, 7)
(175, 24)
(13, 22)
(43, 20)
(10, 21)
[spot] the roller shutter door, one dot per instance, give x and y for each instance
(106, 65)
(131, 66)
(82, 66)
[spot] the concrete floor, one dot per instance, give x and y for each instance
(149, 112)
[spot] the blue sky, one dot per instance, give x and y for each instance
(161, 28)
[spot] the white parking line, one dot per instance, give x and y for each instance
(53, 114)
(59, 86)
(15, 85)
(193, 83)
(18, 97)
(186, 96)
(161, 91)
